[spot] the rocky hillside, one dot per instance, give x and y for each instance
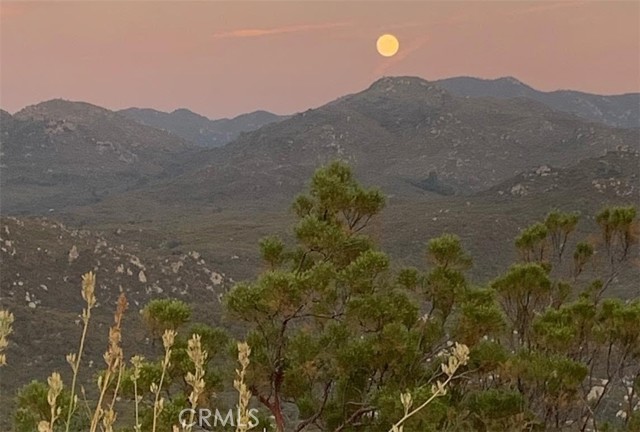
(615, 174)
(615, 110)
(42, 265)
(198, 129)
(59, 153)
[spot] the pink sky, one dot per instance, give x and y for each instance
(226, 58)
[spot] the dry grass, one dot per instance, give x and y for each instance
(196, 379)
(74, 359)
(459, 356)
(104, 415)
(55, 388)
(6, 328)
(136, 362)
(114, 358)
(168, 339)
(244, 395)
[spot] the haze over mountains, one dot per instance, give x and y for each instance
(199, 129)
(409, 136)
(60, 153)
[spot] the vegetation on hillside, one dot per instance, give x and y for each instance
(338, 339)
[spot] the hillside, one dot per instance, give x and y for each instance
(58, 154)
(198, 129)
(43, 261)
(615, 174)
(428, 150)
(615, 110)
(487, 220)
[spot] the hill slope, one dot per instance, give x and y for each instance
(198, 129)
(616, 110)
(43, 261)
(60, 153)
(616, 174)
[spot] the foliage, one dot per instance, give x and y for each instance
(559, 226)
(532, 241)
(33, 407)
(165, 314)
(336, 333)
(355, 344)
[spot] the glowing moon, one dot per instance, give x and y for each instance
(387, 45)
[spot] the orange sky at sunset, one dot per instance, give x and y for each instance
(226, 58)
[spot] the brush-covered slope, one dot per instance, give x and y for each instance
(615, 110)
(60, 153)
(198, 129)
(42, 264)
(616, 174)
(489, 221)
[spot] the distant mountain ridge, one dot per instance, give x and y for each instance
(614, 110)
(199, 129)
(408, 135)
(60, 153)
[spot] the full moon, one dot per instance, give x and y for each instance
(387, 45)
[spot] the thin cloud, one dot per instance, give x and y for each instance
(543, 8)
(257, 32)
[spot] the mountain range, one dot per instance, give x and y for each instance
(421, 144)
(407, 135)
(58, 154)
(411, 137)
(198, 129)
(614, 110)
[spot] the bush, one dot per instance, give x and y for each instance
(165, 314)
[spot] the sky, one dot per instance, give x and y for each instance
(221, 59)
